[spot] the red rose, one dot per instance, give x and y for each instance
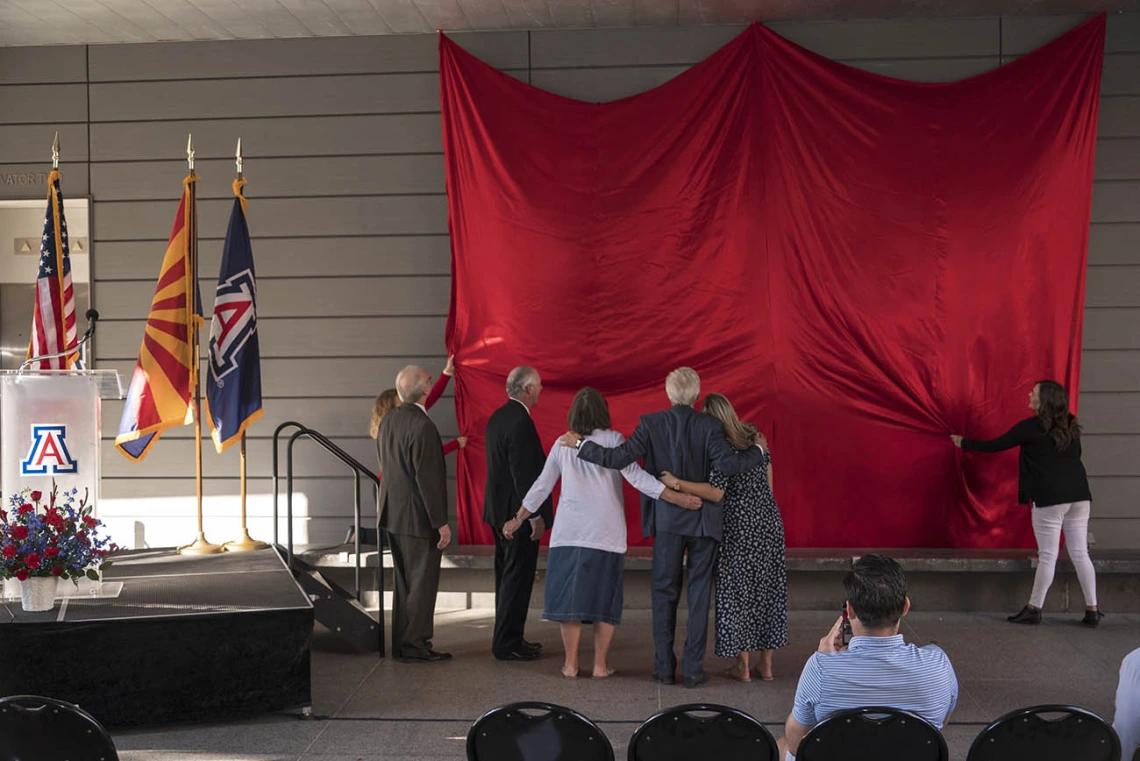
(19, 532)
(51, 552)
(36, 496)
(22, 575)
(3, 516)
(10, 551)
(25, 508)
(90, 522)
(33, 561)
(57, 570)
(82, 536)
(54, 519)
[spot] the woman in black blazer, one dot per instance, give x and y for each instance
(1052, 479)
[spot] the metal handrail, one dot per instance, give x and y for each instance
(353, 464)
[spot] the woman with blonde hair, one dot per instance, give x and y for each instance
(388, 400)
(751, 571)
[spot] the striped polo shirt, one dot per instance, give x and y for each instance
(877, 671)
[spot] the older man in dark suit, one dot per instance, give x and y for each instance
(413, 510)
(677, 438)
(514, 461)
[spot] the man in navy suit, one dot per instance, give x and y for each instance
(688, 444)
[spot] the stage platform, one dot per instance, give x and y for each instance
(370, 710)
(187, 638)
(948, 579)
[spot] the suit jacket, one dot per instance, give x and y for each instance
(413, 484)
(688, 444)
(514, 462)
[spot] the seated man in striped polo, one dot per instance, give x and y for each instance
(877, 668)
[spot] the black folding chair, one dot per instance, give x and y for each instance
(1028, 733)
(723, 734)
(872, 734)
(47, 729)
(536, 732)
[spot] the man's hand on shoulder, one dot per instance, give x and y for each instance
(569, 439)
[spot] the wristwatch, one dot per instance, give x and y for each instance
(578, 443)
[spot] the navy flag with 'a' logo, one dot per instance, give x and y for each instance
(233, 388)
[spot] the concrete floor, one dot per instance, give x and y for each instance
(367, 709)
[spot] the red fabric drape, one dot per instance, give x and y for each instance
(862, 265)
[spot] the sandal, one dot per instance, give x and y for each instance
(734, 673)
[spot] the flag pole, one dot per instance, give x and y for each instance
(200, 546)
(244, 543)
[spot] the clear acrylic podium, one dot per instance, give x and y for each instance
(50, 430)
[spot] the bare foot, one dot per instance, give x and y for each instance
(735, 672)
(570, 673)
(762, 676)
(604, 674)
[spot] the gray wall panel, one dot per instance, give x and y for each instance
(277, 136)
(34, 65)
(929, 69)
(30, 180)
(1118, 159)
(28, 143)
(1110, 413)
(283, 96)
(1115, 286)
(1111, 454)
(379, 215)
(1119, 115)
(895, 38)
(287, 257)
(298, 297)
(601, 85)
(1115, 497)
(1115, 243)
(43, 104)
(1121, 74)
(1116, 201)
(1110, 371)
(324, 176)
(1023, 34)
(591, 48)
(1112, 329)
(404, 336)
(278, 58)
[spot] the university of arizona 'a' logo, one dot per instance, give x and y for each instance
(235, 320)
(48, 453)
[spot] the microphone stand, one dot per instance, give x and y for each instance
(92, 319)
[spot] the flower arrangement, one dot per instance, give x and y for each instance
(59, 539)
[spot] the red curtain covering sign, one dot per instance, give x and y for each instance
(862, 265)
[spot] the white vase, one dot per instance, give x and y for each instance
(38, 593)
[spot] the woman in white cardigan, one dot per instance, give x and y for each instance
(585, 567)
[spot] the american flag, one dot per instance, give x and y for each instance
(53, 321)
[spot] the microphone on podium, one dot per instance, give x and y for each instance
(92, 318)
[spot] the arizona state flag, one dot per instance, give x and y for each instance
(162, 388)
(233, 391)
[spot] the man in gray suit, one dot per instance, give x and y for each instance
(679, 440)
(413, 510)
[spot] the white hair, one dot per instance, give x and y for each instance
(683, 386)
(411, 384)
(519, 378)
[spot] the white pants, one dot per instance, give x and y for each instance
(1048, 523)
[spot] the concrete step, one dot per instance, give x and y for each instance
(938, 579)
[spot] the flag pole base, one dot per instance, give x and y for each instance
(201, 546)
(245, 544)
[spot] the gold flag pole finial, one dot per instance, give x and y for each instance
(244, 543)
(55, 152)
(190, 150)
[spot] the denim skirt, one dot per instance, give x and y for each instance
(584, 584)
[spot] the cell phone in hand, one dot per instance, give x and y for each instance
(845, 629)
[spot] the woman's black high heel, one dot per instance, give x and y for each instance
(1092, 618)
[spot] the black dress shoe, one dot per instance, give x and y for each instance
(1026, 615)
(518, 655)
(1092, 618)
(668, 679)
(531, 645)
(431, 656)
(696, 681)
